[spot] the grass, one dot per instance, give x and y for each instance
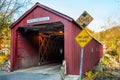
(3, 58)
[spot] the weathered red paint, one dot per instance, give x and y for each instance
(19, 45)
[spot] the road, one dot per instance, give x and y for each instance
(45, 72)
(29, 76)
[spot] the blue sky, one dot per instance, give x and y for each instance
(100, 10)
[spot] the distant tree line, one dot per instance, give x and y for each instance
(111, 38)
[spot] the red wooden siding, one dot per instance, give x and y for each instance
(26, 52)
(93, 53)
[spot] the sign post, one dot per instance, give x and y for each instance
(81, 62)
(82, 39)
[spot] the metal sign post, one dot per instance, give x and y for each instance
(83, 38)
(81, 63)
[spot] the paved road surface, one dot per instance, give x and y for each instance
(29, 76)
(45, 72)
(45, 69)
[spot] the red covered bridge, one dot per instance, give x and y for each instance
(43, 35)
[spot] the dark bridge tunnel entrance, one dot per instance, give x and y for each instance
(41, 44)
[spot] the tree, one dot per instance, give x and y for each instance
(8, 10)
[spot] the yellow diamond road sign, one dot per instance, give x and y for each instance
(84, 19)
(83, 38)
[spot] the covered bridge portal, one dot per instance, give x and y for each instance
(43, 35)
(44, 43)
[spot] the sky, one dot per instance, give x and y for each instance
(104, 12)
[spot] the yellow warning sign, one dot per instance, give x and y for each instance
(84, 19)
(83, 38)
